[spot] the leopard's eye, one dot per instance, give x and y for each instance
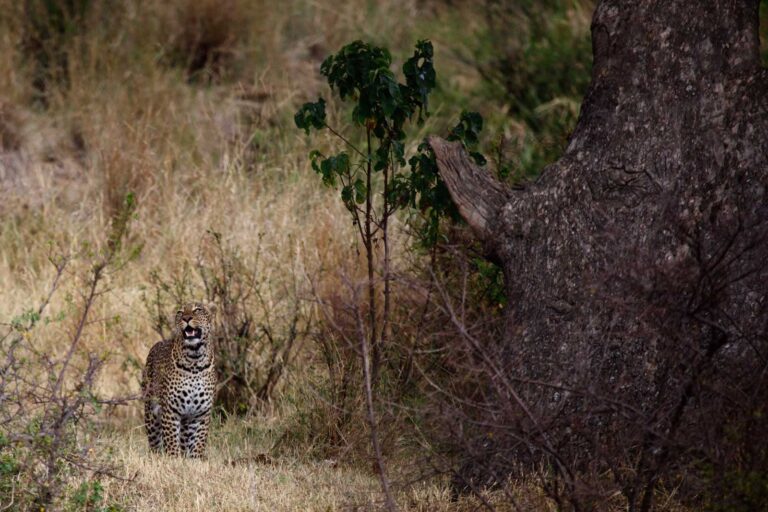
(179, 312)
(197, 310)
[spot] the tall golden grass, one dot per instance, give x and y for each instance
(202, 147)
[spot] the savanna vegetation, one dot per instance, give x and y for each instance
(158, 152)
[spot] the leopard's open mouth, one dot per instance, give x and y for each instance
(191, 333)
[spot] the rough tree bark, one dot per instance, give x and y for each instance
(650, 230)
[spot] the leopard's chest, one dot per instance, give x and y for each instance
(190, 395)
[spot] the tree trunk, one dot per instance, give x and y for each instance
(648, 237)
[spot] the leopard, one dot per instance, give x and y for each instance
(179, 385)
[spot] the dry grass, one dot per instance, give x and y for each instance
(223, 156)
(200, 155)
(235, 477)
(219, 154)
(241, 475)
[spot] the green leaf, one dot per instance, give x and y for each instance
(398, 150)
(478, 157)
(469, 128)
(468, 132)
(420, 76)
(381, 157)
(311, 115)
(360, 191)
(346, 195)
(316, 156)
(331, 167)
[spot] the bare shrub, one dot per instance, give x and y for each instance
(418, 364)
(334, 424)
(48, 396)
(260, 322)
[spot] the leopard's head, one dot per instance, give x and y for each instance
(194, 322)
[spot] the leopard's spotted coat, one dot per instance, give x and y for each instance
(179, 383)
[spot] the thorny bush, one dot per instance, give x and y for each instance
(48, 397)
(260, 320)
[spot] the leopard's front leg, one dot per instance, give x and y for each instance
(195, 435)
(171, 431)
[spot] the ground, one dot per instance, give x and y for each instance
(239, 475)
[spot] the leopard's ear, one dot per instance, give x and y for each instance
(212, 308)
